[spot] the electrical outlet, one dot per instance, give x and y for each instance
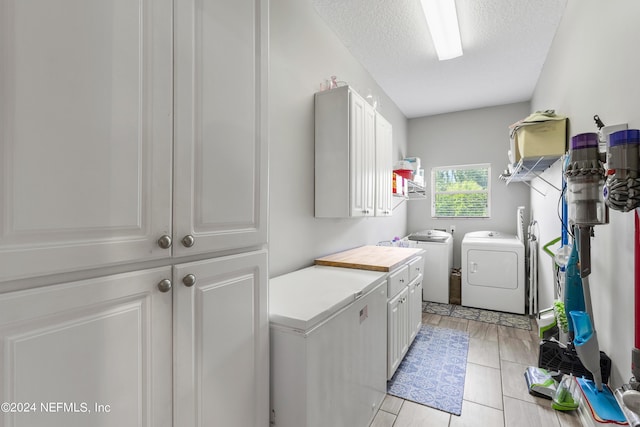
(452, 229)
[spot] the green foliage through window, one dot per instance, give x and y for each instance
(461, 191)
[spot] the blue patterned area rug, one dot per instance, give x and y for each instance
(519, 321)
(432, 373)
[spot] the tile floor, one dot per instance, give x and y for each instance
(495, 393)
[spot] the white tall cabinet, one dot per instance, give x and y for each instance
(220, 169)
(133, 268)
(85, 134)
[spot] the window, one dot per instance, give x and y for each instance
(461, 191)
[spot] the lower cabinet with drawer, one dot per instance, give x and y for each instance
(404, 310)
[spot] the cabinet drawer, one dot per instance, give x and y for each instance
(416, 267)
(397, 281)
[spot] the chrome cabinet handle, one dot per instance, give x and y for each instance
(165, 241)
(189, 280)
(164, 285)
(188, 241)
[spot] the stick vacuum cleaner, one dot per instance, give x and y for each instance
(622, 193)
(585, 177)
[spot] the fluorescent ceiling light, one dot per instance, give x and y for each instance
(443, 25)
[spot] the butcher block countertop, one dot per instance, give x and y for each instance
(375, 258)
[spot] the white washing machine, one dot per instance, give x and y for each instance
(438, 261)
(493, 271)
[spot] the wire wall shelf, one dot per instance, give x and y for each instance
(416, 191)
(529, 168)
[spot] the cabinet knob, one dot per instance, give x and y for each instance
(188, 241)
(189, 280)
(164, 242)
(164, 285)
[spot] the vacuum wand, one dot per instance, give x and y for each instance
(584, 237)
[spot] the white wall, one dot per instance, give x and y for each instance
(303, 52)
(594, 68)
(546, 211)
(466, 137)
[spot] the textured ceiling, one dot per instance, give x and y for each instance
(505, 44)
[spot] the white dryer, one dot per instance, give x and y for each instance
(493, 271)
(438, 261)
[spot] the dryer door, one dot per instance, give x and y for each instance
(494, 269)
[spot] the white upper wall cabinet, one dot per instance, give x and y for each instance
(220, 162)
(346, 172)
(384, 148)
(85, 134)
(361, 156)
(94, 170)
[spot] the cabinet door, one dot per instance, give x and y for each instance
(94, 352)
(369, 155)
(361, 154)
(85, 134)
(383, 170)
(221, 342)
(415, 308)
(397, 330)
(220, 151)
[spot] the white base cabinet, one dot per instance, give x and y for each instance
(415, 296)
(221, 342)
(404, 311)
(95, 352)
(398, 330)
(140, 349)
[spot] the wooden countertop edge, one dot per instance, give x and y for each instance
(334, 260)
(356, 266)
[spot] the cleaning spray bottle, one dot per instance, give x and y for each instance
(563, 398)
